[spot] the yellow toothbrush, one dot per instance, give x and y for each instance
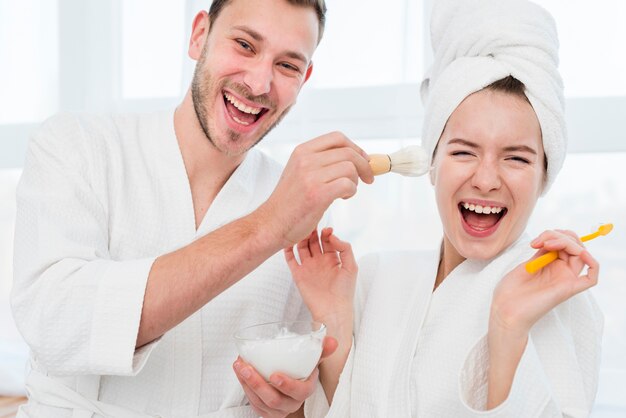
(538, 263)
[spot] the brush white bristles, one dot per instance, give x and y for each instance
(410, 161)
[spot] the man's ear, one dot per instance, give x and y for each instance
(308, 72)
(199, 31)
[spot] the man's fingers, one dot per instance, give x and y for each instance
(255, 401)
(357, 163)
(335, 147)
(329, 141)
(299, 390)
(329, 346)
(341, 187)
(341, 169)
(269, 397)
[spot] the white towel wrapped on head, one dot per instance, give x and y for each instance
(478, 42)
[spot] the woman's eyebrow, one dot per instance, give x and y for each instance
(465, 142)
(520, 148)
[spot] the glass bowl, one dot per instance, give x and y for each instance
(292, 348)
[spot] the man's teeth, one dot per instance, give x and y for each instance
(482, 209)
(240, 121)
(242, 107)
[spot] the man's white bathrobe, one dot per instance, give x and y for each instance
(419, 353)
(100, 198)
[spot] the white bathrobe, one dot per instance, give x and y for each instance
(100, 198)
(419, 353)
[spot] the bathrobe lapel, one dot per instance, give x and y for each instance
(389, 329)
(231, 202)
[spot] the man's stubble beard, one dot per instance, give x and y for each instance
(201, 85)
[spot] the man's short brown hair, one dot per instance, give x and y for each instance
(318, 5)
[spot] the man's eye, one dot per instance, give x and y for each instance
(244, 45)
(290, 67)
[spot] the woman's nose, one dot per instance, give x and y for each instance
(486, 177)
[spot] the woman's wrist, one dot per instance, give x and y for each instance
(339, 325)
(506, 345)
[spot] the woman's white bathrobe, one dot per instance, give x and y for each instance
(419, 353)
(100, 198)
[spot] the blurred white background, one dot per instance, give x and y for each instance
(130, 55)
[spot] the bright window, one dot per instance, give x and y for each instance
(370, 43)
(153, 40)
(29, 60)
(592, 34)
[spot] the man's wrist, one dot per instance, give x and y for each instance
(267, 229)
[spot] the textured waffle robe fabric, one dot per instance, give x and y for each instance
(100, 198)
(419, 353)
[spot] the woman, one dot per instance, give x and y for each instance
(468, 332)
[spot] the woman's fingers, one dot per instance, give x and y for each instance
(326, 233)
(551, 235)
(290, 257)
(565, 244)
(593, 272)
(345, 253)
(314, 244)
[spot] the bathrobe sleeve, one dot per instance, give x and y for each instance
(557, 374)
(77, 309)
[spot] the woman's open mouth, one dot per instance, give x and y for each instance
(241, 113)
(481, 221)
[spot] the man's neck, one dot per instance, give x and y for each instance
(207, 168)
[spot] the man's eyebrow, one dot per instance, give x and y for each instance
(254, 34)
(260, 38)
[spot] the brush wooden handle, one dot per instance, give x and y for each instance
(380, 163)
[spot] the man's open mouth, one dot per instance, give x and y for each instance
(481, 218)
(243, 114)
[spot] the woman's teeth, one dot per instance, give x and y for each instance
(482, 209)
(242, 107)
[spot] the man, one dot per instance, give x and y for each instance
(143, 242)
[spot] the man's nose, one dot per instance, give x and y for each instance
(259, 77)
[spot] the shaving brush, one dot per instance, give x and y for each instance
(410, 161)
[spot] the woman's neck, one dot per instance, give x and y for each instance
(449, 259)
